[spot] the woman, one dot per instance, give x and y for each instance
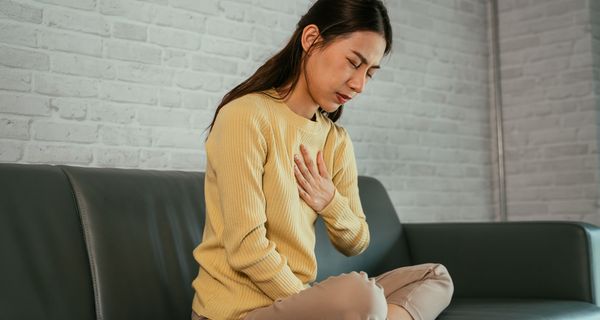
(276, 161)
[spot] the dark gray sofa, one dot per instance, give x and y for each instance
(104, 243)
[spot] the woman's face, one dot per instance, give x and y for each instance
(340, 70)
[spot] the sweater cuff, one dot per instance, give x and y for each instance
(335, 206)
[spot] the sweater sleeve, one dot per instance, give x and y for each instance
(344, 217)
(238, 155)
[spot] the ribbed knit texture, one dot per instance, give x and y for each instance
(259, 237)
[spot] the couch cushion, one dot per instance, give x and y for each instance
(141, 227)
(519, 309)
(45, 269)
(388, 248)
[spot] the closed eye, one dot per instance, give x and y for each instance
(354, 65)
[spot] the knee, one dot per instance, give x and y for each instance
(441, 274)
(362, 295)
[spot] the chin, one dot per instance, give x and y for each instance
(330, 107)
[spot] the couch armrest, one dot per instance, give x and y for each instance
(546, 259)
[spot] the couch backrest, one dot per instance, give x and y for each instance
(44, 268)
(118, 242)
(140, 228)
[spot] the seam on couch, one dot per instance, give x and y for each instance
(83, 218)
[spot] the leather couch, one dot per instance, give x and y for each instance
(105, 243)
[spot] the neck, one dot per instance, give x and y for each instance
(299, 100)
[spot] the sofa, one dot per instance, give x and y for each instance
(107, 243)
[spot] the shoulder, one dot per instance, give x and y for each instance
(339, 132)
(249, 106)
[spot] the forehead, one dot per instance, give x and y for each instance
(369, 44)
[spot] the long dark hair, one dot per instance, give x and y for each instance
(334, 18)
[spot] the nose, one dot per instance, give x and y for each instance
(357, 82)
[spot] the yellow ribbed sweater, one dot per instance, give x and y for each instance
(259, 237)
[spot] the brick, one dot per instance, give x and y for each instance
(15, 80)
(171, 138)
(125, 136)
(279, 6)
(579, 119)
(76, 21)
(196, 100)
(552, 136)
(190, 21)
(552, 152)
(64, 132)
(234, 10)
(14, 128)
(229, 29)
(209, 63)
(161, 2)
(112, 112)
(577, 76)
(175, 58)
(192, 161)
(131, 10)
(22, 35)
(71, 109)
(575, 178)
(125, 92)
(24, 104)
(116, 157)
(526, 209)
(224, 48)
(11, 151)
(260, 17)
(174, 38)
(25, 59)
(563, 35)
(160, 117)
(20, 12)
(70, 42)
(170, 98)
(559, 8)
(82, 66)
(145, 74)
(129, 31)
(208, 6)
(154, 159)
(268, 37)
(78, 4)
(54, 85)
(57, 154)
(197, 80)
(128, 51)
(201, 119)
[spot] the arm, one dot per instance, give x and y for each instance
(238, 155)
(343, 216)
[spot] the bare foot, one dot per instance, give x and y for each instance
(396, 312)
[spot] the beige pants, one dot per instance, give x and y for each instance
(423, 290)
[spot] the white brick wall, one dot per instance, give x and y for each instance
(125, 83)
(550, 110)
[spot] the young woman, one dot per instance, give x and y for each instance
(276, 161)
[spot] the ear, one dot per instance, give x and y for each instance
(310, 35)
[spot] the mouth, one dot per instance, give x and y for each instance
(342, 98)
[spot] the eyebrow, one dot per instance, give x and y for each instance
(364, 60)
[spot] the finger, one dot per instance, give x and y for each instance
(321, 163)
(301, 180)
(307, 176)
(303, 194)
(308, 160)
